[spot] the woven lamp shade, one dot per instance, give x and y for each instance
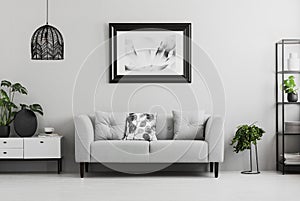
(47, 44)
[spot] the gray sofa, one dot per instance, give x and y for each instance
(164, 150)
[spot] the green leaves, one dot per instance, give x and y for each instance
(17, 87)
(289, 85)
(34, 108)
(23, 106)
(245, 135)
(8, 108)
(5, 83)
(4, 96)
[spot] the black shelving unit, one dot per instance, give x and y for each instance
(280, 131)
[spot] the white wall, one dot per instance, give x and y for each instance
(238, 35)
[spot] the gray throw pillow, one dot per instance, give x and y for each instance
(189, 125)
(110, 125)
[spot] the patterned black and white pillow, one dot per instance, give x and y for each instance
(141, 126)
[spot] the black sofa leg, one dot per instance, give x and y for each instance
(82, 170)
(216, 169)
(86, 167)
(211, 166)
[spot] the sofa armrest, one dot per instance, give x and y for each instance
(214, 136)
(84, 136)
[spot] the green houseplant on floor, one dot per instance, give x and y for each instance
(245, 137)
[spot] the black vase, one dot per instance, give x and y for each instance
(25, 123)
(291, 97)
(4, 131)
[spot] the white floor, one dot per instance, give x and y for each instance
(164, 186)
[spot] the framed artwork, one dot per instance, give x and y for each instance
(150, 52)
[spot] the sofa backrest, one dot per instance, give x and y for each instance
(164, 126)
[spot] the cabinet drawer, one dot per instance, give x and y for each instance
(11, 143)
(11, 153)
(42, 147)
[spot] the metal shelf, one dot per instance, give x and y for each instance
(289, 72)
(288, 42)
(289, 103)
(280, 133)
(281, 117)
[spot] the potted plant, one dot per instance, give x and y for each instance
(289, 87)
(245, 136)
(8, 108)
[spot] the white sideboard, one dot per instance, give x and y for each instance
(34, 148)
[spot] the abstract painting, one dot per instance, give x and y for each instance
(147, 52)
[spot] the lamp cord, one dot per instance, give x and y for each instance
(47, 12)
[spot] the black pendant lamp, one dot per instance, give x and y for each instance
(47, 42)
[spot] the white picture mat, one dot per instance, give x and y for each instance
(157, 37)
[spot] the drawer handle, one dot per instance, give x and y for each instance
(4, 152)
(42, 142)
(4, 142)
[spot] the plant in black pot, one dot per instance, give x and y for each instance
(8, 108)
(289, 87)
(245, 137)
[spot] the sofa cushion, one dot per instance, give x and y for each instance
(189, 125)
(119, 151)
(164, 127)
(172, 151)
(141, 126)
(109, 125)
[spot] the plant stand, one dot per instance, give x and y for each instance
(256, 156)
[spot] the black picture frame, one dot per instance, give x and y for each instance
(186, 28)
